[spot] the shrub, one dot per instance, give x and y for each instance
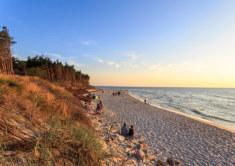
(37, 99)
(90, 151)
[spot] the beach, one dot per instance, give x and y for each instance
(170, 134)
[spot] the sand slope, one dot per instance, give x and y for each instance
(172, 135)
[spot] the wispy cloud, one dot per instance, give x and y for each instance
(50, 54)
(89, 42)
(16, 55)
(71, 60)
(100, 60)
(132, 55)
(78, 66)
(108, 63)
(153, 67)
(54, 55)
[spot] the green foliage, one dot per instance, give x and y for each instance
(46, 68)
(19, 66)
(89, 144)
(76, 144)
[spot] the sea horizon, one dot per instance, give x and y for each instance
(215, 105)
(186, 87)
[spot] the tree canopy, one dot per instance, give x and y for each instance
(44, 67)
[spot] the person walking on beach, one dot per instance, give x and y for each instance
(124, 130)
(131, 132)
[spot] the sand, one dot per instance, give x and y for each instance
(170, 134)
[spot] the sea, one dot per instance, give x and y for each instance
(213, 104)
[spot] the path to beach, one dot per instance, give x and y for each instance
(170, 134)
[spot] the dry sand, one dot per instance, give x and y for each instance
(170, 134)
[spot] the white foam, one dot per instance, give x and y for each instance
(184, 114)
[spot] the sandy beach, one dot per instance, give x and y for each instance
(170, 134)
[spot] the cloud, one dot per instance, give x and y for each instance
(113, 64)
(132, 55)
(153, 67)
(50, 54)
(117, 65)
(78, 66)
(54, 55)
(16, 55)
(108, 63)
(130, 65)
(100, 60)
(89, 42)
(71, 60)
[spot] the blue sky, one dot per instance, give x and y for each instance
(119, 42)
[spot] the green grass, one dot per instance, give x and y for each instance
(89, 145)
(76, 144)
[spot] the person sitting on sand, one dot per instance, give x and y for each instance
(101, 105)
(124, 130)
(145, 101)
(131, 131)
(98, 108)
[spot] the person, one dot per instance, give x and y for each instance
(101, 105)
(124, 130)
(131, 131)
(98, 108)
(145, 101)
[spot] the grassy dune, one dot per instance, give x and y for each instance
(42, 124)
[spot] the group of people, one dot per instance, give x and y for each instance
(118, 93)
(127, 132)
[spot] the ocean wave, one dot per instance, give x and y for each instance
(202, 103)
(216, 105)
(210, 116)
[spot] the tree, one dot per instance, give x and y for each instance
(56, 71)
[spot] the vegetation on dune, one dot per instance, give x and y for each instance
(55, 71)
(41, 121)
(42, 124)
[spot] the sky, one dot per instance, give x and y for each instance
(157, 43)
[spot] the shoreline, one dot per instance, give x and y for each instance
(207, 122)
(170, 134)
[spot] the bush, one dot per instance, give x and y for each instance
(90, 151)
